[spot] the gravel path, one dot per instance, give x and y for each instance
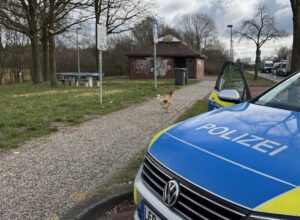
(47, 176)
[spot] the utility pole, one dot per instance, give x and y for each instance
(231, 42)
(78, 53)
(155, 68)
(231, 49)
(101, 46)
(131, 44)
(1, 52)
(100, 77)
(155, 41)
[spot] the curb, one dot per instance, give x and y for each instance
(93, 208)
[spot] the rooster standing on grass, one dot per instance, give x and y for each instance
(166, 101)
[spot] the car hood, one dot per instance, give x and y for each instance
(246, 154)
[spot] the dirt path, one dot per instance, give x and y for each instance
(46, 177)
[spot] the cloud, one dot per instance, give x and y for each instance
(232, 13)
(247, 48)
(174, 9)
(283, 3)
(284, 19)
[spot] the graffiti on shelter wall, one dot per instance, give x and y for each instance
(145, 66)
(162, 67)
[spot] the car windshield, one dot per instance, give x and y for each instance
(269, 65)
(285, 96)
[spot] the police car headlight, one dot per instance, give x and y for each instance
(266, 216)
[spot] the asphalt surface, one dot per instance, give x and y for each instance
(270, 76)
(46, 177)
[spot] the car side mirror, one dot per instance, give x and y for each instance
(229, 95)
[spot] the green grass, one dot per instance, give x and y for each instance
(28, 111)
(260, 82)
(235, 80)
(201, 106)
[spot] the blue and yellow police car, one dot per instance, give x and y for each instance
(236, 162)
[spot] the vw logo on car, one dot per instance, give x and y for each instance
(171, 193)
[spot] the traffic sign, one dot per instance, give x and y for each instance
(101, 37)
(155, 31)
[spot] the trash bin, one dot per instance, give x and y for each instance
(180, 76)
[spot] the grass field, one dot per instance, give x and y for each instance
(234, 79)
(260, 82)
(31, 111)
(198, 108)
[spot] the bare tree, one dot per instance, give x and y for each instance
(2, 57)
(142, 31)
(216, 56)
(16, 53)
(58, 17)
(120, 15)
(13, 53)
(22, 16)
(41, 20)
(197, 29)
(282, 52)
(44, 40)
(259, 29)
(296, 35)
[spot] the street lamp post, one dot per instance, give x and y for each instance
(231, 48)
(231, 42)
(155, 41)
(78, 53)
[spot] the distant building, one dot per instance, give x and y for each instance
(171, 53)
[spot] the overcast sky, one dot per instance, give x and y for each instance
(233, 14)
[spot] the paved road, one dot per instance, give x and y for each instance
(46, 177)
(269, 76)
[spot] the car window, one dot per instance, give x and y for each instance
(232, 79)
(285, 96)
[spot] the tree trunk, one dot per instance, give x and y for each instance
(46, 73)
(52, 52)
(96, 49)
(52, 60)
(1, 58)
(257, 62)
(296, 42)
(36, 74)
